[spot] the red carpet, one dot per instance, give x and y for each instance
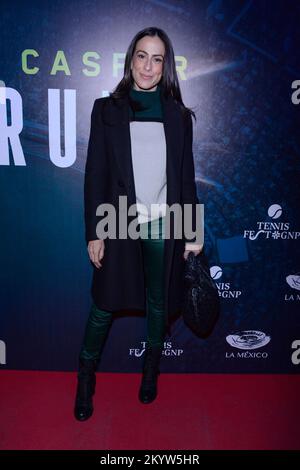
(192, 411)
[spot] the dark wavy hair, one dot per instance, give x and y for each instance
(169, 79)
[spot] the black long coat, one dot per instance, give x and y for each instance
(119, 284)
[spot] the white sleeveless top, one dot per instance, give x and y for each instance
(148, 149)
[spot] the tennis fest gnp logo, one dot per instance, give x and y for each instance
(275, 229)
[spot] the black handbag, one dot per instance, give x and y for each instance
(201, 301)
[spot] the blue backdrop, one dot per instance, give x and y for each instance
(239, 69)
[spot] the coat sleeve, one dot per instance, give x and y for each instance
(189, 190)
(96, 172)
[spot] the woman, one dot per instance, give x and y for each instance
(140, 147)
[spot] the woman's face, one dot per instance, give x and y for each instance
(147, 63)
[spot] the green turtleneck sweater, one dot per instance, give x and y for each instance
(150, 100)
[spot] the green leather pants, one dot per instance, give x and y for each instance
(152, 236)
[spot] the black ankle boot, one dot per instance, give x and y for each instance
(148, 388)
(83, 409)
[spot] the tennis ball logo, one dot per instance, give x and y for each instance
(275, 211)
(215, 272)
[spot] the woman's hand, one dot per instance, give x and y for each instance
(96, 252)
(196, 249)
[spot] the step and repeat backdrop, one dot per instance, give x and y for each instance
(238, 64)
